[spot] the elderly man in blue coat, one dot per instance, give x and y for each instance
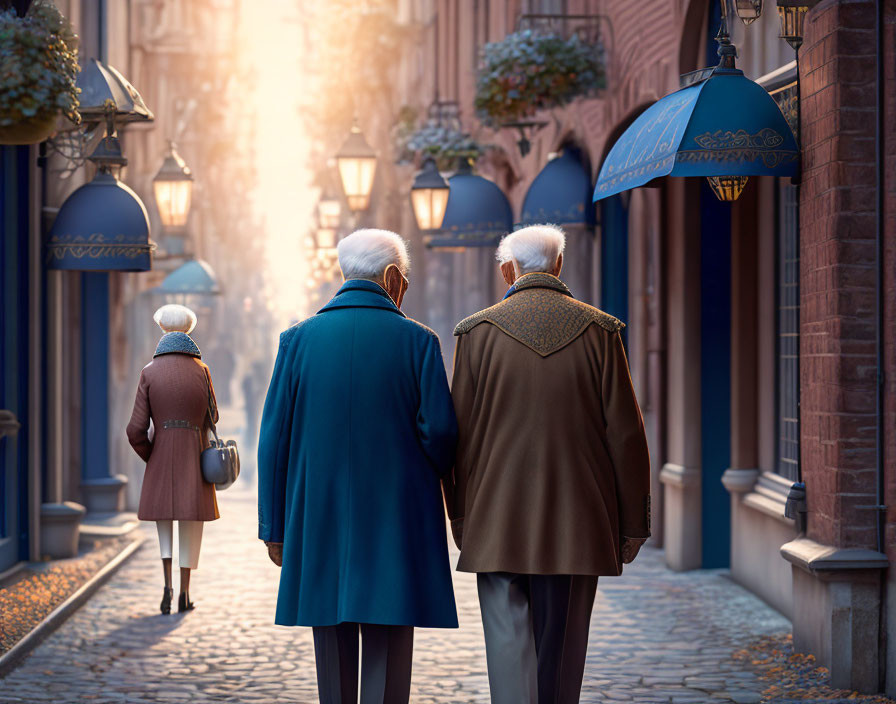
(357, 430)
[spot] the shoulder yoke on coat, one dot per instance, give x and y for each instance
(541, 314)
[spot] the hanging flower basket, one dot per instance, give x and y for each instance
(446, 144)
(38, 73)
(527, 71)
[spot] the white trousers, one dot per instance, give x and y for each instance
(189, 539)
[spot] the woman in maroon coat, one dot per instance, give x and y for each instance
(176, 394)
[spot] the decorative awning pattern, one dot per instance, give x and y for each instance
(102, 226)
(560, 193)
(725, 125)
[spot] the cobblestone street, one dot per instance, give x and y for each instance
(657, 636)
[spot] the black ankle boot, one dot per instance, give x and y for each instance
(184, 603)
(166, 600)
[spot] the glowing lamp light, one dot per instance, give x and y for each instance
(748, 10)
(793, 18)
(326, 239)
(727, 188)
(429, 196)
(356, 162)
(173, 189)
(329, 213)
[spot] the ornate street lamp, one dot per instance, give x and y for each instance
(793, 17)
(329, 213)
(727, 188)
(173, 188)
(326, 241)
(429, 196)
(356, 161)
(748, 10)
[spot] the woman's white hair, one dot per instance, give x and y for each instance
(533, 248)
(365, 254)
(175, 318)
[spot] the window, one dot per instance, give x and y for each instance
(787, 332)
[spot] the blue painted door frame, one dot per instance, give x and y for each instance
(14, 351)
(614, 257)
(715, 374)
(715, 353)
(95, 375)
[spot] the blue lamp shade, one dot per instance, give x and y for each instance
(194, 277)
(102, 226)
(560, 193)
(724, 126)
(477, 214)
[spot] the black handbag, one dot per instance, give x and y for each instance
(220, 461)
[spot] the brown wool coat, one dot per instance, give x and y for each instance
(552, 466)
(173, 387)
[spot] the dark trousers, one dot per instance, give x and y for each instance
(385, 667)
(536, 635)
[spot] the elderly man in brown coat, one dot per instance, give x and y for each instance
(551, 484)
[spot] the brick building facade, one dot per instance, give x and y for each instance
(752, 327)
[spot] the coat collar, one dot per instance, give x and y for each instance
(360, 293)
(538, 280)
(177, 343)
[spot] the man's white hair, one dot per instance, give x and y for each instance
(366, 254)
(533, 248)
(175, 318)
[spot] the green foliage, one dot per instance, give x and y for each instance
(526, 72)
(38, 65)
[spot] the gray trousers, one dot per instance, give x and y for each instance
(536, 635)
(385, 667)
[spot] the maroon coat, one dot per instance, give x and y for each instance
(173, 387)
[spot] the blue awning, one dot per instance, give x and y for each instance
(193, 277)
(726, 125)
(102, 226)
(477, 214)
(560, 193)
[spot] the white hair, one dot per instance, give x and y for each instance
(533, 248)
(175, 318)
(366, 254)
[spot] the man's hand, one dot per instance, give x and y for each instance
(630, 548)
(275, 552)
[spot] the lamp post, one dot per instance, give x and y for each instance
(173, 189)
(748, 10)
(793, 17)
(356, 161)
(429, 196)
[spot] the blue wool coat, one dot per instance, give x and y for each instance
(357, 430)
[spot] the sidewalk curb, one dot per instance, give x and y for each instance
(58, 616)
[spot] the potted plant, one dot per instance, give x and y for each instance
(38, 73)
(528, 71)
